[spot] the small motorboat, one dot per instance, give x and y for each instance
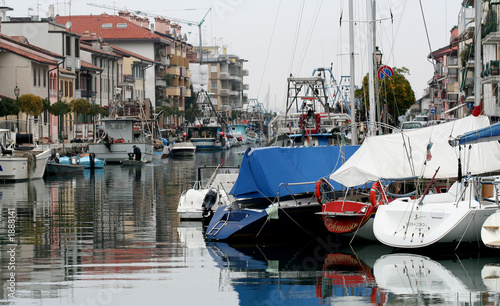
(180, 149)
(55, 168)
(86, 159)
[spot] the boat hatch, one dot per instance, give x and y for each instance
(437, 214)
(237, 216)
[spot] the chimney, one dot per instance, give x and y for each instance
(152, 26)
(124, 14)
(51, 13)
(178, 29)
(135, 20)
(145, 22)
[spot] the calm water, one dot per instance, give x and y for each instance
(113, 237)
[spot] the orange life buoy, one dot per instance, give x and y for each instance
(317, 191)
(373, 195)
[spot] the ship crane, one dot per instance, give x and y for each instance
(137, 12)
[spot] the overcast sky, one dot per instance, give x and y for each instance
(293, 36)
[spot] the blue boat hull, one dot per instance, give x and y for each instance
(255, 224)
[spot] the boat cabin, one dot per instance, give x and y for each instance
(122, 129)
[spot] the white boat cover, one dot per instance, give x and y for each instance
(403, 155)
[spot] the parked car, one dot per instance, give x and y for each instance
(422, 119)
(411, 125)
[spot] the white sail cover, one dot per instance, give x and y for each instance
(404, 155)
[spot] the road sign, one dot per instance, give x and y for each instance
(470, 105)
(433, 111)
(385, 72)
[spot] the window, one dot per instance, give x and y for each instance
(68, 45)
(213, 68)
(71, 89)
(107, 25)
(34, 76)
(66, 92)
(39, 77)
(214, 85)
(44, 77)
(121, 25)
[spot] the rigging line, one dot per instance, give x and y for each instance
(310, 34)
(427, 34)
(269, 48)
(296, 38)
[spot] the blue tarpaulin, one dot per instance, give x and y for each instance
(264, 169)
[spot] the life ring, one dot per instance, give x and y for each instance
(322, 191)
(317, 191)
(373, 195)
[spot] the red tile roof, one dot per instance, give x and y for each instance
(94, 24)
(102, 52)
(89, 66)
(36, 54)
(132, 54)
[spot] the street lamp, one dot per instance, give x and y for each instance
(378, 56)
(59, 124)
(16, 92)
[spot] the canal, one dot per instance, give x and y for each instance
(113, 237)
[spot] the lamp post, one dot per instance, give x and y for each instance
(59, 124)
(92, 99)
(16, 92)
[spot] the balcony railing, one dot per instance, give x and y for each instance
(224, 75)
(173, 91)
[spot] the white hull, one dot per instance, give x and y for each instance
(491, 277)
(441, 218)
(490, 232)
(120, 151)
(183, 149)
(409, 274)
(21, 166)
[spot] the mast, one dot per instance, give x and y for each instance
(477, 53)
(371, 85)
(354, 134)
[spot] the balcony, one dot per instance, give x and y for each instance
(174, 70)
(452, 88)
(161, 83)
(224, 75)
(69, 62)
(183, 72)
(224, 92)
(176, 60)
(174, 91)
(245, 87)
(245, 72)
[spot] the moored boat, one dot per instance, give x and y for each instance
(55, 168)
(21, 160)
(184, 148)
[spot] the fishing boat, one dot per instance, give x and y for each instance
(183, 149)
(22, 159)
(239, 132)
(274, 193)
(120, 135)
(209, 194)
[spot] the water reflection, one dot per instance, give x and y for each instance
(112, 237)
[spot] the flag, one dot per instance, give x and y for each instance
(429, 155)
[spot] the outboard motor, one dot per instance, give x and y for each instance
(92, 160)
(208, 202)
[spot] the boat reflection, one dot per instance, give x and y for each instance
(491, 276)
(455, 281)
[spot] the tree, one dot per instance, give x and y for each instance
(395, 92)
(31, 105)
(80, 107)
(8, 107)
(59, 108)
